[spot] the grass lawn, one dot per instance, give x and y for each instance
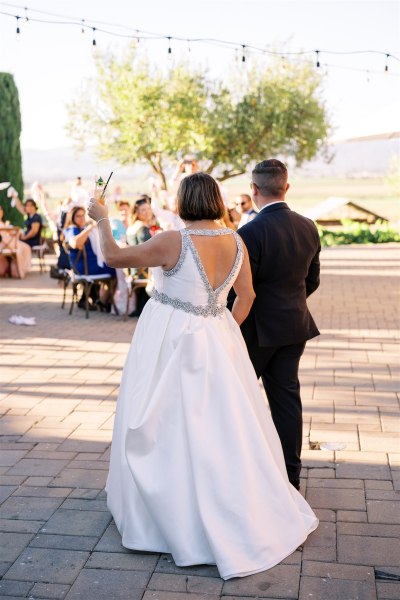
(372, 194)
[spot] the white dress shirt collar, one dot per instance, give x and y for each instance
(271, 203)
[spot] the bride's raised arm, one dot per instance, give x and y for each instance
(160, 251)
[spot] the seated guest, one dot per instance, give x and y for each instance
(19, 265)
(120, 224)
(79, 236)
(144, 226)
(245, 208)
(33, 222)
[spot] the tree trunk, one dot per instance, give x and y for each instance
(157, 168)
(210, 168)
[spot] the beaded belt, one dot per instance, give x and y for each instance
(210, 310)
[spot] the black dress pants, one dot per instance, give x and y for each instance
(278, 369)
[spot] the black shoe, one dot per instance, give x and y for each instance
(103, 306)
(82, 304)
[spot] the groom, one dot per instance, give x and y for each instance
(284, 252)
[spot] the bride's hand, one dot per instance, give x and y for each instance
(97, 211)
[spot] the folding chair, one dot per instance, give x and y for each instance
(139, 280)
(9, 245)
(39, 251)
(86, 281)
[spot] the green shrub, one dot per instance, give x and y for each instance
(10, 150)
(358, 233)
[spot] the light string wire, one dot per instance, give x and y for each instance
(147, 35)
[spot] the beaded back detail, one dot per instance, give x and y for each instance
(213, 307)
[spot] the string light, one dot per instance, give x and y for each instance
(139, 34)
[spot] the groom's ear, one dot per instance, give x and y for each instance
(287, 187)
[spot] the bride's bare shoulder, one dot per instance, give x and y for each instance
(169, 237)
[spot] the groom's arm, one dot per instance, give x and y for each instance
(312, 279)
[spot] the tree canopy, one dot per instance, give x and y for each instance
(10, 150)
(135, 112)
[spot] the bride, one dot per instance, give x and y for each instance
(197, 468)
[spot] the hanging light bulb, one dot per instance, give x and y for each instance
(188, 47)
(94, 39)
(137, 36)
(169, 46)
(368, 79)
(83, 26)
(26, 15)
(243, 53)
(386, 65)
(318, 64)
(18, 31)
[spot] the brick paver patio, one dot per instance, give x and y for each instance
(59, 383)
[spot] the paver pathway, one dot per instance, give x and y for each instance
(59, 383)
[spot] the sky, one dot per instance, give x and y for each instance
(50, 63)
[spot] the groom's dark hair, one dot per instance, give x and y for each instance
(271, 176)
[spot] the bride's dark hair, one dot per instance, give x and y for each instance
(199, 198)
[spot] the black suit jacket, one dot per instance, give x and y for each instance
(284, 252)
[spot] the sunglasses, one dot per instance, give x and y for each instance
(240, 203)
(141, 201)
(252, 184)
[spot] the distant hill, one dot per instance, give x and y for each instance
(64, 164)
(367, 157)
(363, 157)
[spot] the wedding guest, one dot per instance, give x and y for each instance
(245, 208)
(144, 227)
(33, 222)
(234, 215)
(186, 166)
(143, 222)
(20, 264)
(165, 210)
(120, 224)
(79, 234)
(79, 194)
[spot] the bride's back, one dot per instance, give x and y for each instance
(208, 264)
(217, 255)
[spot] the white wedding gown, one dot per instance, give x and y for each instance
(197, 468)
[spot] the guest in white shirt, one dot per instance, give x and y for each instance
(245, 208)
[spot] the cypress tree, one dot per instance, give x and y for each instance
(10, 150)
